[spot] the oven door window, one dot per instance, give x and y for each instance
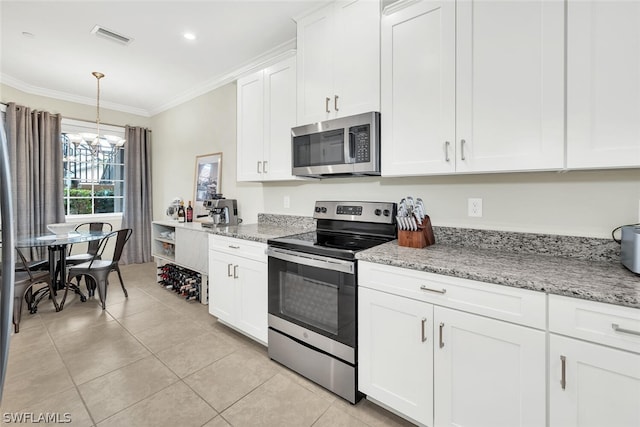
(318, 299)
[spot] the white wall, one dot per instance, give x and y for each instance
(204, 125)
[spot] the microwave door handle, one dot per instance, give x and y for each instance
(352, 148)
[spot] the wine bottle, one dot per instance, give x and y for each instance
(189, 212)
(181, 213)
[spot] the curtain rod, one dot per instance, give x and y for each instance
(82, 120)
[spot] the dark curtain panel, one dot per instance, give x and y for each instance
(137, 198)
(35, 153)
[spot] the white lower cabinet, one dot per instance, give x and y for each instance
(395, 362)
(487, 372)
(440, 366)
(592, 385)
(238, 285)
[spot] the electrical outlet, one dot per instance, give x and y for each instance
(286, 202)
(475, 207)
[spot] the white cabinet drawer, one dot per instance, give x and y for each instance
(500, 302)
(601, 323)
(244, 248)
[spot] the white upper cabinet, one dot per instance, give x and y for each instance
(418, 88)
(510, 85)
(493, 68)
(603, 84)
(339, 61)
(266, 113)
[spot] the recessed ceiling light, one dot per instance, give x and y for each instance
(189, 36)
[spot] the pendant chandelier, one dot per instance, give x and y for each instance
(101, 145)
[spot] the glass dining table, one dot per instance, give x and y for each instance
(57, 245)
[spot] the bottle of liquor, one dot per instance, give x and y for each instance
(181, 213)
(189, 212)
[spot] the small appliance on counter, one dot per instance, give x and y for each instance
(222, 212)
(172, 209)
(630, 247)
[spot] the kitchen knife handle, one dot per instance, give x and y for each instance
(446, 151)
(563, 379)
(326, 104)
(441, 341)
(335, 102)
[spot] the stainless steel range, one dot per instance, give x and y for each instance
(313, 292)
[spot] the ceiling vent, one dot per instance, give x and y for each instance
(111, 35)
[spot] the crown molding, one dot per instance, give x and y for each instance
(272, 56)
(64, 96)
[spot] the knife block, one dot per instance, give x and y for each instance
(420, 238)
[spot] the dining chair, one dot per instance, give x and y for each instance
(97, 269)
(24, 281)
(92, 246)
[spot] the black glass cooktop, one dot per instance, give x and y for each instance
(335, 245)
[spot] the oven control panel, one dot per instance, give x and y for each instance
(382, 212)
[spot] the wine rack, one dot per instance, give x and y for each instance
(187, 283)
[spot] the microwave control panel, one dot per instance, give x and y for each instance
(362, 149)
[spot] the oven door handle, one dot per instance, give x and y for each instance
(313, 260)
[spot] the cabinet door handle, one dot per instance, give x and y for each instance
(441, 341)
(229, 270)
(264, 166)
(446, 150)
(424, 324)
(563, 379)
(259, 164)
(234, 247)
(335, 102)
(462, 142)
(617, 328)
(437, 291)
(326, 104)
(235, 271)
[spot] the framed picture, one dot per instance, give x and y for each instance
(207, 181)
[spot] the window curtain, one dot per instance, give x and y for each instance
(35, 154)
(138, 207)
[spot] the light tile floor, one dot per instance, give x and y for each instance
(154, 359)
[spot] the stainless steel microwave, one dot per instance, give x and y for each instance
(338, 147)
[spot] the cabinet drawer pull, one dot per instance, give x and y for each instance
(424, 324)
(563, 378)
(462, 142)
(235, 271)
(264, 166)
(326, 104)
(441, 339)
(446, 151)
(234, 247)
(617, 328)
(437, 291)
(229, 270)
(259, 164)
(335, 102)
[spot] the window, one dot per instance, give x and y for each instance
(93, 169)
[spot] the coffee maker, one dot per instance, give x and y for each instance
(222, 212)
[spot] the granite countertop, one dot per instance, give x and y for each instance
(602, 281)
(256, 232)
